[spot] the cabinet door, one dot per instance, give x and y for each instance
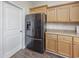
(65, 45)
(74, 13)
(41, 9)
(63, 14)
(51, 42)
(76, 47)
(51, 15)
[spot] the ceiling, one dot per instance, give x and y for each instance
(49, 3)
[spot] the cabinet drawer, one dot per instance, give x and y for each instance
(48, 35)
(76, 40)
(65, 38)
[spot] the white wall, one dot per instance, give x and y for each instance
(61, 26)
(25, 4)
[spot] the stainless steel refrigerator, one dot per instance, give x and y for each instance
(35, 27)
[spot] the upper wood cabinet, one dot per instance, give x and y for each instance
(51, 42)
(76, 47)
(63, 14)
(51, 15)
(74, 13)
(58, 14)
(65, 45)
(40, 9)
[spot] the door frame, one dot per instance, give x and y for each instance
(23, 25)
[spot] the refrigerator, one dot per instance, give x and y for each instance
(35, 28)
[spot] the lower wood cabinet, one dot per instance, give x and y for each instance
(51, 42)
(76, 47)
(65, 45)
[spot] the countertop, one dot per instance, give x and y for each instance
(63, 32)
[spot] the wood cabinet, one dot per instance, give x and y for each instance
(58, 14)
(51, 42)
(76, 47)
(74, 13)
(63, 14)
(62, 44)
(40, 9)
(65, 45)
(51, 15)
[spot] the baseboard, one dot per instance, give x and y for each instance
(12, 52)
(56, 53)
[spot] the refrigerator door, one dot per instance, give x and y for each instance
(38, 46)
(43, 30)
(38, 26)
(29, 42)
(29, 25)
(29, 33)
(39, 40)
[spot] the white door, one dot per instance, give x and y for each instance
(1, 50)
(12, 26)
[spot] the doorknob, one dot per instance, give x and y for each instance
(21, 31)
